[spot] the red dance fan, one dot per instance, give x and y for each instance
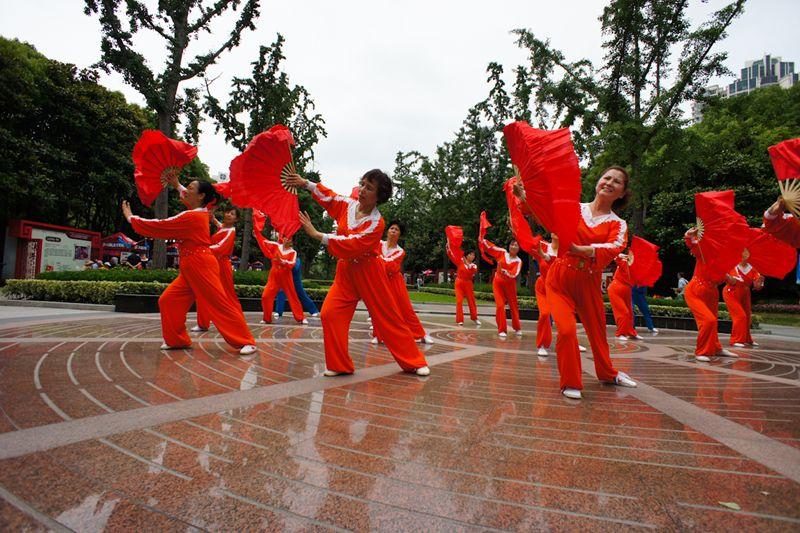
(785, 158)
(646, 268)
(519, 226)
(485, 224)
(770, 256)
(551, 175)
(258, 178)
(722, 232)
(154, 156)
(455, 237)
(223, 188)
(259, 221)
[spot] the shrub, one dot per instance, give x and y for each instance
(777, 308)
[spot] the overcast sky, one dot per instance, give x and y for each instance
(386, 75)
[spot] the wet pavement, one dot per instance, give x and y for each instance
(100, 430)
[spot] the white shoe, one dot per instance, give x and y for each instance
(331, 373)
(477, 322)
(726, 353)
(624, 380)
(248, 349)
(573, 394)
(638, 338)
(702, 358)
(459, 323)
(654, 331)
(427, 339)
(314, 315)
(369, 319)
(304, 322)
(263, 322)
(622, 338)
(198, 329)
(423, 371)
(542, 351)
(370, 327)
(374, 340)
(275, 314)
(754, 343)
(581, 348)
(738, 345)
(502, 335)
(518, 332)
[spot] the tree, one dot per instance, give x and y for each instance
(171, 22)
(619, 110)
(268, 98)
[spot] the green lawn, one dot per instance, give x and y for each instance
(782, 319)
(427, 297)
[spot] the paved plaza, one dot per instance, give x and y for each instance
(102, 431)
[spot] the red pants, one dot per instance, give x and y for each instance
(397, 285)
(571, 291)
(280, 279)
(619, 294)
(544, 331)
(505, 290)
(199, 280)
(737, 298)
(465, 289)
(226, 280)
(365, 280)
(702, 298)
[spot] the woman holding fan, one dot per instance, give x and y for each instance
(504, 284)
(282, 257)
(465, 272)
(736, 294)
(620, 297)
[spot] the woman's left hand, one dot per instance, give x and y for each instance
(308, 226)
(126, 210)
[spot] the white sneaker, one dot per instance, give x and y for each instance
(502, 335)
(275, 314)
(427, 339)
(624, 380)
(477, 322)
(198, 329)
(581, 348)
(314, 315)
(654, 331)
(573, 394)
(263, 322)
(248, 349)
(622, 338)
(518, 332)
(459, 323)
(542, 351)
(754, 343)
(423, 371)
(331, 373)
(369, 319)
(702, 358)
(738, 345)
(374, 340)
(638, 338)
(304, 322)
(726, 353)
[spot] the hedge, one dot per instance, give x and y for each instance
(248, 277)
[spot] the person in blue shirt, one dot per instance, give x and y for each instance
(639, 297)
(308, 304)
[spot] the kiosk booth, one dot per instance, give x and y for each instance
(33, 247)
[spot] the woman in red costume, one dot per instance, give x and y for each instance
(199, 277)
(464, 285)
(544, 331)
(504, 284)
(620, 297)
(573, 282)
(702, 298)
(283, 257)
(392, 256)
(360, 274)
(736, 294)
(782, 225)
(222, 242)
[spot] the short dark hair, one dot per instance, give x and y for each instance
(680, 274)
(382, 183)
(513, 241)
(399, 225)
(208, 191)
(231, 208)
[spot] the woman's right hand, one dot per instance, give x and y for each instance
(296, 180)
(778, 208)
(170, 177)
(692, 232)
(518, 189)
(126, 210)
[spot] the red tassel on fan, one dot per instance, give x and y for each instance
(154, 154)
(551, 175)
(482, 235)
(723, 232)
(256, 179)
(646, 268)
(455, 237)
(519, 225)
(770, 256)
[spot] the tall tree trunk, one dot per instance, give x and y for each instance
(159, 245)
(244, 259)
(638, 206)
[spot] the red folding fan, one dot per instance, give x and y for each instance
(154, 155)
(455, 237)
(722, 232)
(482, 235)
(646, 267)
(223, 188)
(785, 158)
(258, 176)
(548, 166)
(770, 256)
(259, 220)
(519, 225)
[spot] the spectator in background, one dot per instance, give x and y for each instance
(682, 283)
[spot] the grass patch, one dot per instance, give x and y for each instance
(781, 319)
